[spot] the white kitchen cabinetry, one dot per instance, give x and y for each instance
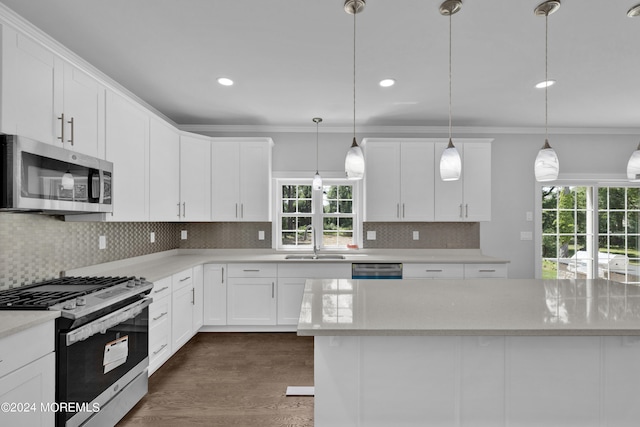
(399, 180)
(469, 198)
(195, 178)
(186, 305)
(160, 324)
(478, 271)
(432, 271)
(164, 172)
(48, 99)
(291, 281)
(241, 179)
(215, 295)
(128, 149)
(27, 376)
(252, 294)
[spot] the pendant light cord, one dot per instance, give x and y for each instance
(317, 160)
(355, 12)
(546, 76)
(450, 44)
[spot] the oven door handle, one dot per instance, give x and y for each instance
(106, 322)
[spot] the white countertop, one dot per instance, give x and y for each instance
(13, 321)
(469, 307)
(158, 266)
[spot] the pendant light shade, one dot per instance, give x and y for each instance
(354, 161)
(450, 161)
(317, 179)
(546, 166)
(633, 167)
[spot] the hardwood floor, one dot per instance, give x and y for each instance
(230, 379)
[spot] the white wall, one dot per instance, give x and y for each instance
(513, 181)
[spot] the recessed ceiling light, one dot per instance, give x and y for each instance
(387, 82)
(544, 84)
(225, 81)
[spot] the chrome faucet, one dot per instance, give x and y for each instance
(315, 249)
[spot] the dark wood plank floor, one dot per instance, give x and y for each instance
(230, 379)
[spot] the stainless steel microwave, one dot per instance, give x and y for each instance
(42, 177)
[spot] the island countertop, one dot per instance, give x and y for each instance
(469, 307)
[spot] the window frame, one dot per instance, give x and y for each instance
(317, 213)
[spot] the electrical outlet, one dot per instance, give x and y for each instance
(529, 216)
(102, 242)
(526, 235)
(183, 234)
(152, 237)
(260, 234)
(371, 235)
(416, 235)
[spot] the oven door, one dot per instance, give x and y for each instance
(97, 361)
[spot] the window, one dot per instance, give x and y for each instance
(331, 212)
(591, 232)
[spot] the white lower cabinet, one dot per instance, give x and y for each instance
(27, 377)
(215, 295)
(432, 271)
(252, 294)
(186, 305)
(160, 324)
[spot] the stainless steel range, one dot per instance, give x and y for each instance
(101, 345)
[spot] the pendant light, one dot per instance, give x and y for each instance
(546, 166)
(354, 162)
(450, 161)
(317, 179)
(633, 167)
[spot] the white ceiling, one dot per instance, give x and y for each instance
(293, 60)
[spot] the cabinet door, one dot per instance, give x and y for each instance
(255, 181)
(477, 182)
(29, 75)
(198, 298)
(32, 384)
(251, 301)
(225, 181)
(448, 194)
(182, 312)
(417, 186)
(215, 295)
(195, 178)
(160, 325)
(127, 146)
(290, 292)
(83, 107)
(164, 172)
(382, 181)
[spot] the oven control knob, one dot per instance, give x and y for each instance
(69, 305)
(80, 301)
(131, 284)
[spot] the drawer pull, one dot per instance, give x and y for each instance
(186, 278)
(487, 271)
(162, 315)
(160, 349)
(251, 271)
(161, 289)
(434, 271)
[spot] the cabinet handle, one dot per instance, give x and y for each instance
(236, 210)
(186, 278)
(161, 316)
(161, 289)
(273, 289)
(193, 296)
(241, 210)
(251, 271)
(184, 209)
(403, 210)
(178, 210)
(222, 276)
(61, 137)
(160, 349)
(433, 271)
(487, 271)
(461, 210)
(397, 210)
(71, 123)
(466, 210)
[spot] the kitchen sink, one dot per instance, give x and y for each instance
(314, 257)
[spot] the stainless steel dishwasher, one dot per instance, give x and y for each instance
(386, 270)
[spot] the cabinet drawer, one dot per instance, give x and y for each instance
(161, 288)
(316, 270)
(475, 271)
(182, 279)
(159, 349)
(24, 347)
(252, 270)
(432, 271)
(160, 313)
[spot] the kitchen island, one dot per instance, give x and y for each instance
(486, 352)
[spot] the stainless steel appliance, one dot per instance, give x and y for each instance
(42, 177)
(387, 270)
(102, 343)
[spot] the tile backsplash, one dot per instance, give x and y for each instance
(431, 235)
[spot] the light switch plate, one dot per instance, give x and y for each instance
(526, 235)
(102, 242)
(260, 234)
(183, 234)
(529, 216)
(371, 235)
(416, 235)
(152, 237)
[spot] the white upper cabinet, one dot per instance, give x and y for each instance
(241, 179)
(469, 198)
(195, 178)
(164, 172)
(399, 180)
(127, 147)
(48, 99)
